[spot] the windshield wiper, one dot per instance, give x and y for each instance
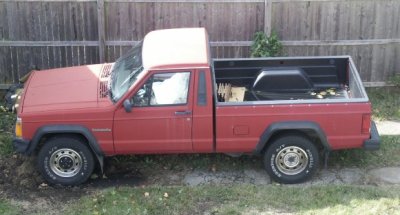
(132, 75)
(110, 94)
(111, 84)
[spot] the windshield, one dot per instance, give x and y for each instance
(125, 71)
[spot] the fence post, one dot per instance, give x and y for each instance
(267, 17)
(101, 30)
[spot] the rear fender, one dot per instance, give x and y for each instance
(302, 126)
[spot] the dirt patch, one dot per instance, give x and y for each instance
(21, 183)
(18, 172)
(23, 186)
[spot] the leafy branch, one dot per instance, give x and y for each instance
(266, 46)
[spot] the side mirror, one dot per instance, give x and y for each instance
(128, 106)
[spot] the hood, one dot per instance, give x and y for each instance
(66, 88)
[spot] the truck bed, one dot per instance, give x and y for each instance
(294, 79)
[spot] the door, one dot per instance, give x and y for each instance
(161, 117)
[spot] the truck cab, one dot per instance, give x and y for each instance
(172, 100)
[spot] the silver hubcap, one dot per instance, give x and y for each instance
(65, 162)
(291, 160)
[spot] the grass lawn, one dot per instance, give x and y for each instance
(7, 121)
(8, 209)
(385, 102)
(242, 199)
(387, 155)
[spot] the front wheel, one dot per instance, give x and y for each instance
(66, 161)
(291, 159)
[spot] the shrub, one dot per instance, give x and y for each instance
(395, 80)
(266, 46)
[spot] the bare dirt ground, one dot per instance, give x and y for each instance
(21, 183)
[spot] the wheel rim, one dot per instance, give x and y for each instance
(291, 160)
(65, 162)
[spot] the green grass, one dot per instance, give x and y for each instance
(242, 199)
(386, 105)
(180, 162)
(248, 199)
(395, 80)
(8, 209)
(385, 102)
(6, 147)
(387, 155)
(7, 121)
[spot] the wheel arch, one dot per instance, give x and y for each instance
(54, 130)
(308, 129)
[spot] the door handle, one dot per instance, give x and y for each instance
(180, 113)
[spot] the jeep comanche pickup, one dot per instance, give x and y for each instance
(167, 95)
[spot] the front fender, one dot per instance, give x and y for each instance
(64, 129)
(67, 129)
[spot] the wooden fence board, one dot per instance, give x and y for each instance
(3, 22)
(362, 55)
(336, 20)
(56, 33)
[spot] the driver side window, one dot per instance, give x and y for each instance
(141, 98)
(163, 89)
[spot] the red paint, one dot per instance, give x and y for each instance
(156, 127)
(340, 122)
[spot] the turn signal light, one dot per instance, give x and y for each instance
(366, 123)
(18, 128)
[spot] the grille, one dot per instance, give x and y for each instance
(103, 89)
(106, 71)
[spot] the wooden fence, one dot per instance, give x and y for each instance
(42, 34)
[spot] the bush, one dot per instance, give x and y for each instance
(395, 80)
(266, 46)
(7, 121)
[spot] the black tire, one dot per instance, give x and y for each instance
(291, 159)
(65, 161)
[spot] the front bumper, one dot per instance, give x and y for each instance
(374, 141)
(21, 145)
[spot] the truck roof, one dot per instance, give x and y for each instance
(176, 48)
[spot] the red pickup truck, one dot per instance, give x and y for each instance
(167, 95)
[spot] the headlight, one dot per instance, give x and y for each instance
(18, 128)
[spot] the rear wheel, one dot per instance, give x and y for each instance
(66, 161)
(291, 159)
